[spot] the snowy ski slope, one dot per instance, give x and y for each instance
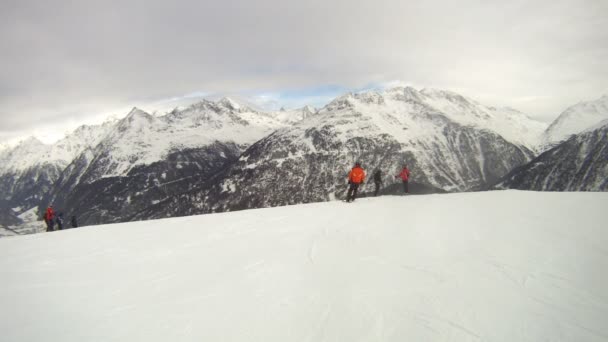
(491, 266)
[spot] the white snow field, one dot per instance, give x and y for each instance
(488, 266)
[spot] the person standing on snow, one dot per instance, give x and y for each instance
(59, 221)
(377, 181)
(73, 222)
(405, 176)
(49, 218)
(356, 176)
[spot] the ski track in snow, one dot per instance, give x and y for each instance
(492, 266)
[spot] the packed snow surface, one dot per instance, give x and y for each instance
(493, 266)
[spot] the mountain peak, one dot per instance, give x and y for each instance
(136, 111)
(341, 102)
(309, 109)
(30, 142)
(410, 94)
(229, 103)
(370, 97)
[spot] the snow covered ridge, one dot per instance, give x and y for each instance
(511, 124)
(577, 164)
(494, 266)
(142, 139)
(576, 119)
(31, 152)
(153, 136)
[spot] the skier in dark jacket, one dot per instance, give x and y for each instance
(356, 176)
(377, 181)
(59, 221)
(405, 177)
(74, 222)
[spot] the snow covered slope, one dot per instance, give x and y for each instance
(577, 164)
(576, 119)
(492, 266)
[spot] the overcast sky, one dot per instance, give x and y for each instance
(64, 63)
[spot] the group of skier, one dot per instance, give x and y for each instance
(356, 177)
(51, 219)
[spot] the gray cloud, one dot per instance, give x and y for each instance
(63, 60)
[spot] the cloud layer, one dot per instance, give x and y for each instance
(63, 60)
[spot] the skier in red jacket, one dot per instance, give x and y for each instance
(49, 218)
(405, 177)
(356, 176)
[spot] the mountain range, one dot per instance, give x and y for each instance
(222, 155)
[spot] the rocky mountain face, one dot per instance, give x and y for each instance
(309, 161)
(117, 198)
(577, 164)
(576, 119)
(8, 215)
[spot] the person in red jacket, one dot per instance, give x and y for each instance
(405, 177)
(356, 176)
(49, 218)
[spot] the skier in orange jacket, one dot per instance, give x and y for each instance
(356, 176)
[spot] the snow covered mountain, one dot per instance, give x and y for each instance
(512, 125)
(577, 164)
(309, 161)
(31, 168)
(144, 158)
(484, 266)
(576, 119)
(142, 139)
(222, 155)
(32, 152)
